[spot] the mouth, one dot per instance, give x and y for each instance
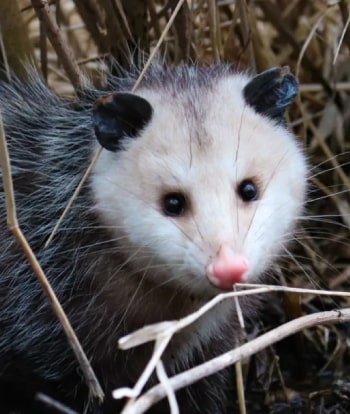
(225, 283)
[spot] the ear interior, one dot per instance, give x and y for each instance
(271, 92)
(120, 115)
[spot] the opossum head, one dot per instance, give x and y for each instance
(200, 182)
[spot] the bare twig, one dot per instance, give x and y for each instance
(162, 342)
(160, 41)
(164, 380)
(238, 365)
(246, 33)
(58, 406)
(42, 8)
(192, 375)
(74, 196)
(3, 57)
(317, 87)
(308, 40)
(213, 17)
(341, 40)
(153, 331)
(240, 387)
(162, 332)
(344, 9)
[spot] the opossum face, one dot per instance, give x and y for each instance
(206, 190)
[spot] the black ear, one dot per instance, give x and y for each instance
(271, 92)
(119, 115)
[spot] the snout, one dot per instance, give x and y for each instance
(227, 268)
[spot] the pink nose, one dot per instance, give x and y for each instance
(227, 268)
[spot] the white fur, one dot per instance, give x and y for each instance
(205, 157)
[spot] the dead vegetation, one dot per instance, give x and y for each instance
(309, 372)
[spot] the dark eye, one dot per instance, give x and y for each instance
(174, 204)
(248, 191)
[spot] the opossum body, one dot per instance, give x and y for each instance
(198, 186)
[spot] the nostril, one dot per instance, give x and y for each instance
(227, 268)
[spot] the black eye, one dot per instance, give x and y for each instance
(248, 191)
(174, 204)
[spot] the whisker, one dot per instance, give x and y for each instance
(291, 256)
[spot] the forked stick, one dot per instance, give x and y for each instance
(165, 330)
(214, 365)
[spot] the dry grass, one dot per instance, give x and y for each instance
(309, 36)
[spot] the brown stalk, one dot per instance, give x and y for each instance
(246, 31)
(182, 28)
(344, 10)
(94, 21)
(42, 8)
(214, 31)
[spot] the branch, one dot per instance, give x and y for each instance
(162, 332)
(192, 375)
(42, 8)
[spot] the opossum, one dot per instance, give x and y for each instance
(198, 187)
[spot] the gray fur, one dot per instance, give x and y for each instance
(50, 142)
